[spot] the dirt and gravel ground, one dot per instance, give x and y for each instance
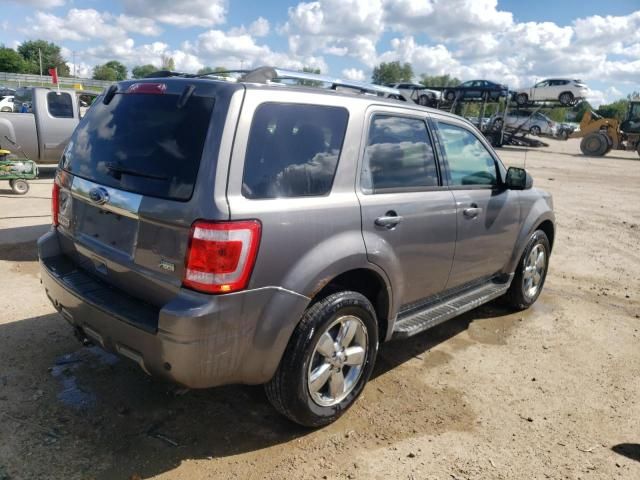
(553, 392)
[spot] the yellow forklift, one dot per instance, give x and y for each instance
(601, 135)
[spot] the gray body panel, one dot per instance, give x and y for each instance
(42, 136)
(305, 243)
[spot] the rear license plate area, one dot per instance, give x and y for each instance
(107, 228)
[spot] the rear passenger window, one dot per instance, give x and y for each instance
(293, 150)
(59, 104)
(399, 155)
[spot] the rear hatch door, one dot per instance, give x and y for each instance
(139, 169)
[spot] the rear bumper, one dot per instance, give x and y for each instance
(196, 340)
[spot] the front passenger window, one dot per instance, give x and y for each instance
(470, 163)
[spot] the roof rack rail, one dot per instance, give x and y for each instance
(270, 74)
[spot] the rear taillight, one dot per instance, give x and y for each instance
(55, 203)
(221, 255)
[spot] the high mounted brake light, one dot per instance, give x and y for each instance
(147, 88)
(221, 255)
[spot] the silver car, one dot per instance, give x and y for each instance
(219, 232)
(535, 123)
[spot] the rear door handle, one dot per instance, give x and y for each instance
(389, 220)
(472, 212)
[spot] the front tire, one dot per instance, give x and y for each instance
(535, 130)
(450, 96)
(594, 145)
(328, 360)
(531, 273)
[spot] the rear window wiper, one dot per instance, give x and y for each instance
(119, 170)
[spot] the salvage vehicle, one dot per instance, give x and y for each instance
(567, 92)
(247, 232)
(42, 122)
(417, 93)
(535, 123)
(476, 89)
(601, 135)
(6, 103)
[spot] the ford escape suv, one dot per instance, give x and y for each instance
(248, 232)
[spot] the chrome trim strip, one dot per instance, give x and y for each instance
(119, 202)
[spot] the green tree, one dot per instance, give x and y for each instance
(617, 109)
(167, 63)
(392, 72)
(141, 71)
(579, 110)
(51, 57)
(111, 71)
(439, 80)
(11, 61)
(213, 70)
(310, 83)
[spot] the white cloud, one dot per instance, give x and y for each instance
(183, 13)
(446, 19)
(354, 74)
(83, 24)
(260, 27)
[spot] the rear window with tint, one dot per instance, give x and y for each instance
(142, 143)
(293, 150)
(60, 104)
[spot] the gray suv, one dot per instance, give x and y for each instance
(247, 232)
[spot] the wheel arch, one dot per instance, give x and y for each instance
(540, 217)
(370, 283)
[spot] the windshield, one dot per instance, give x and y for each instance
(146, 144)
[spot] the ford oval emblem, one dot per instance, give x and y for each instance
(99, 195)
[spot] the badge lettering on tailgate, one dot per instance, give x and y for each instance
(166, 265)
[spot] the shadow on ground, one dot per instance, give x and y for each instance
(629, 450)
(85, 412)
(18, 244)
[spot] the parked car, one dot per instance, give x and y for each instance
(565, 91)
(48, 117)
(6, 103)
(476, 89)
(5, 91)
(222, 232)
(535, 123)
(418, 93)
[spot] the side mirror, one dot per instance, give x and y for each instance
(518, 179)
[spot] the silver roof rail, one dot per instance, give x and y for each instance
(272, 74)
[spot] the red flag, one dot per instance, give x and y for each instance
(54, 75)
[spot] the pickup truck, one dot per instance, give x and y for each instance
(43, 120)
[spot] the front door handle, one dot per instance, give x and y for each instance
(472, 211)
(388, 220)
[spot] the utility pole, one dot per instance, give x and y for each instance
(74, 63)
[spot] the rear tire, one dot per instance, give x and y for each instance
(316, 343)
(535, 130)
(423, 100)
(566, 98)
(594, 145)
(530, 274)
(522, 99)
(19, 186)
(450, 96)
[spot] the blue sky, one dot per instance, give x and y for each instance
(510, 41)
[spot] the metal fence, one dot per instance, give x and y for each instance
(27, 79)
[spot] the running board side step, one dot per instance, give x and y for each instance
(414, 322)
